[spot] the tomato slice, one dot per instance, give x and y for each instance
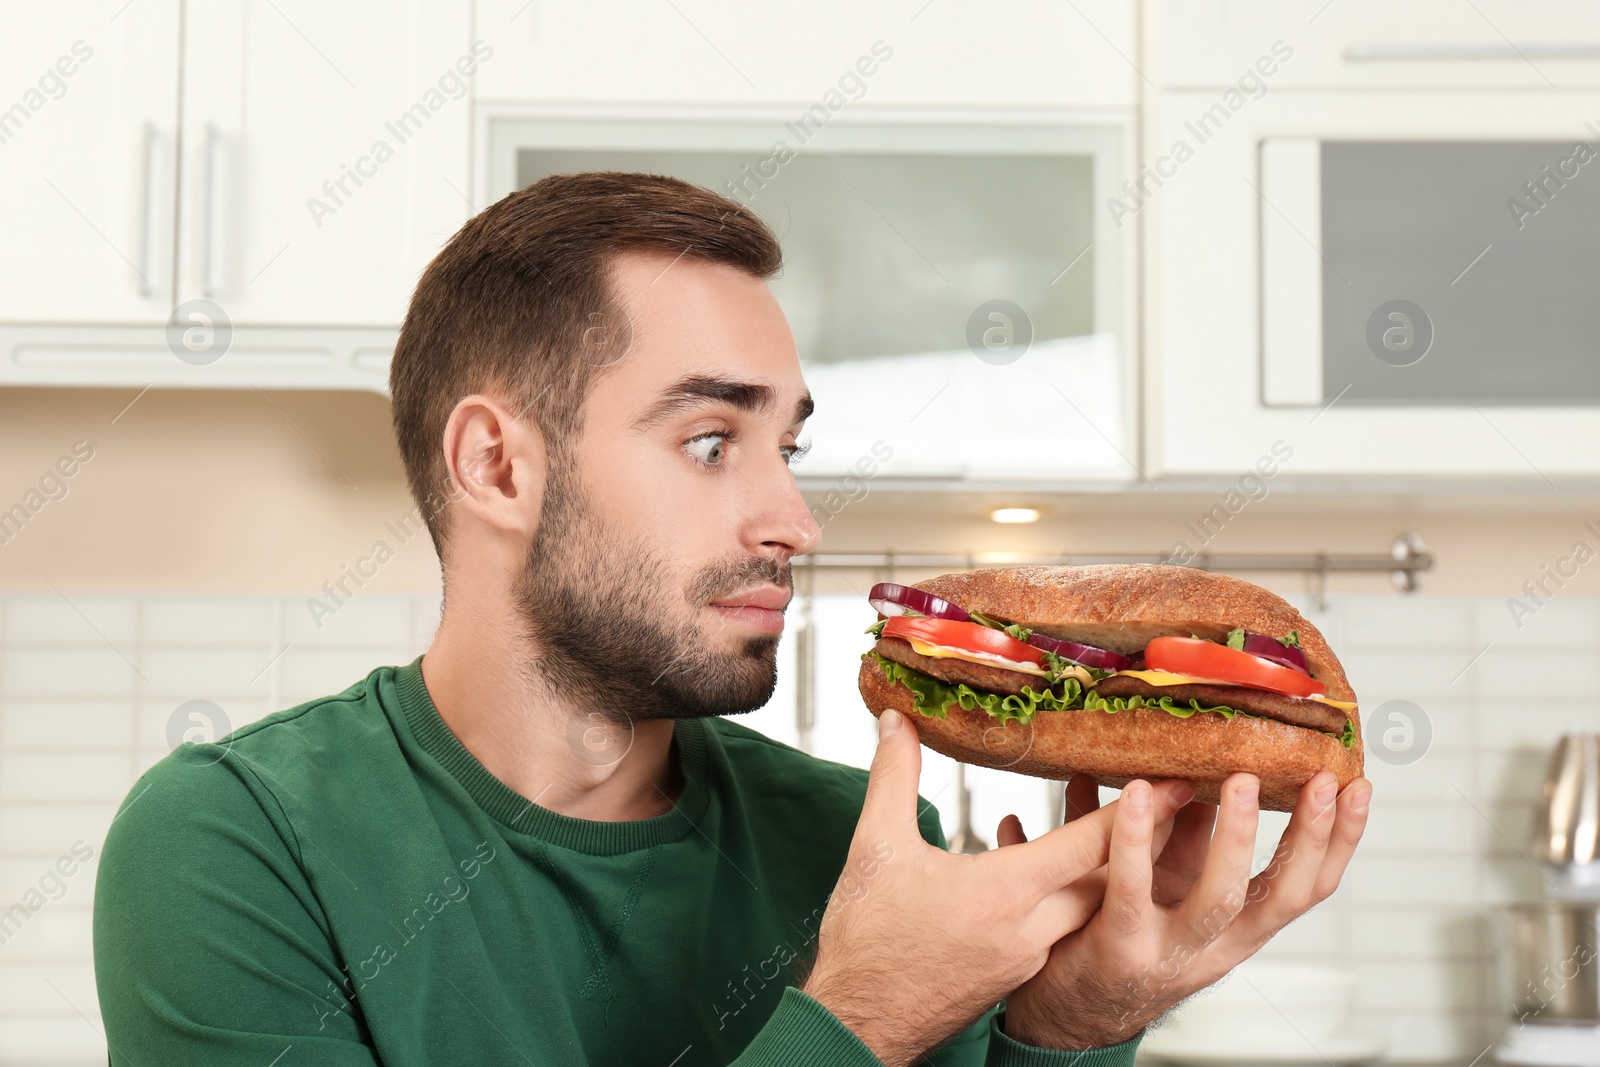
(963, 637)
(1219, 663)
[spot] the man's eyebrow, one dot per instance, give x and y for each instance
(696, 389)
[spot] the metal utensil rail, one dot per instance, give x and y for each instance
(1406, 559)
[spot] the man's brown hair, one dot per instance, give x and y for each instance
(519, 305)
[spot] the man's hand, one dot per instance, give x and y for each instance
(1175, 926)
(917, 943)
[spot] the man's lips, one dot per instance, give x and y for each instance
(767, 596)
(760, 608)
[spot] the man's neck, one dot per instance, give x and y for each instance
(547, 749)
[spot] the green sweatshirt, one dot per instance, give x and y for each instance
(342, 883)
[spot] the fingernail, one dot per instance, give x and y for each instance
(1139, 796)
(1182, 793)
(1247, 793)
(1327, 791)
(888, 723)
(1362, 797)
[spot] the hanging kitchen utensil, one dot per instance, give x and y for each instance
(805, 659)
(965, 840)
(1058, 803)
(1567, 827)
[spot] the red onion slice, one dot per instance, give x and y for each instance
(1088, 655)
(892, 599)
(1275, 650)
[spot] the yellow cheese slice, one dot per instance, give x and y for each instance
(987, 658)
(990, 659)
(1168, 678)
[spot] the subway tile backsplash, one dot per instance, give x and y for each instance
(90, 684)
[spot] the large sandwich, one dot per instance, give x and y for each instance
(1117, 672)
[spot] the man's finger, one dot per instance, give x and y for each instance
(1009, 832)
(1061, 856)
(1169, 798)
(1127, 909)
(1219, 893)
(890, 808)
(1185, 854)
(1311, 859)
(1350, 820)
(1068, 908)
(1288, 886)
(1064, 854)
(1082, 796)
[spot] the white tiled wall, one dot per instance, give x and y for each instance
(88, 688)
(88, 685)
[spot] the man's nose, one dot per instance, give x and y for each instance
(791, 530)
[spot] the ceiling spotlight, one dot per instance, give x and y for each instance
(1015, 514)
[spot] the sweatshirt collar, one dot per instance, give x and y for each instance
(521, 815)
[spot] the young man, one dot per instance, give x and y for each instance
(543, 842)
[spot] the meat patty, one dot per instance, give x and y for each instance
(977, 675)
(1296, 711)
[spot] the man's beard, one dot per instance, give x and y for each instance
(616, 638)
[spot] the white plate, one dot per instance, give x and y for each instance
(1220, 1052)
(1550, 1045)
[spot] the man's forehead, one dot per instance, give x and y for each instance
(703, 332)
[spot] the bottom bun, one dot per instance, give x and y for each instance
(1114, 749)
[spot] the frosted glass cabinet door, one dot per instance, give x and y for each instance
(1480, 255)
(325, 154)
(935, 275)
(88, 149)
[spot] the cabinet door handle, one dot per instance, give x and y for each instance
(209, 286)
(1390, 51)
(147, 172)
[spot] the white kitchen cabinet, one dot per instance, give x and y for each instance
(1223, 391)
(1524, 44)
(1006, 53)
(325, 154)
(295, 163)
(230, 194)
(88, 157)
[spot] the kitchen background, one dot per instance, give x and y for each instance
(1299, 289)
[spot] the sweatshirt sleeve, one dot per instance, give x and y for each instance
(209, 944)
(1006, 1051)
(803, 1033)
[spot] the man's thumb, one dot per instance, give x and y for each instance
(896, 767)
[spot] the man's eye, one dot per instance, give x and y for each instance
(708, 448)
(794, 452)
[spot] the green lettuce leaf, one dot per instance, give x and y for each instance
(1292, 640)
(1015, 629)
(1235, 639)
(876, 629)
(1093, 701)
(934, 698)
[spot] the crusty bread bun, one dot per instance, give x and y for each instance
(1122, 607)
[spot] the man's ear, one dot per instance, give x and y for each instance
(497, 465)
